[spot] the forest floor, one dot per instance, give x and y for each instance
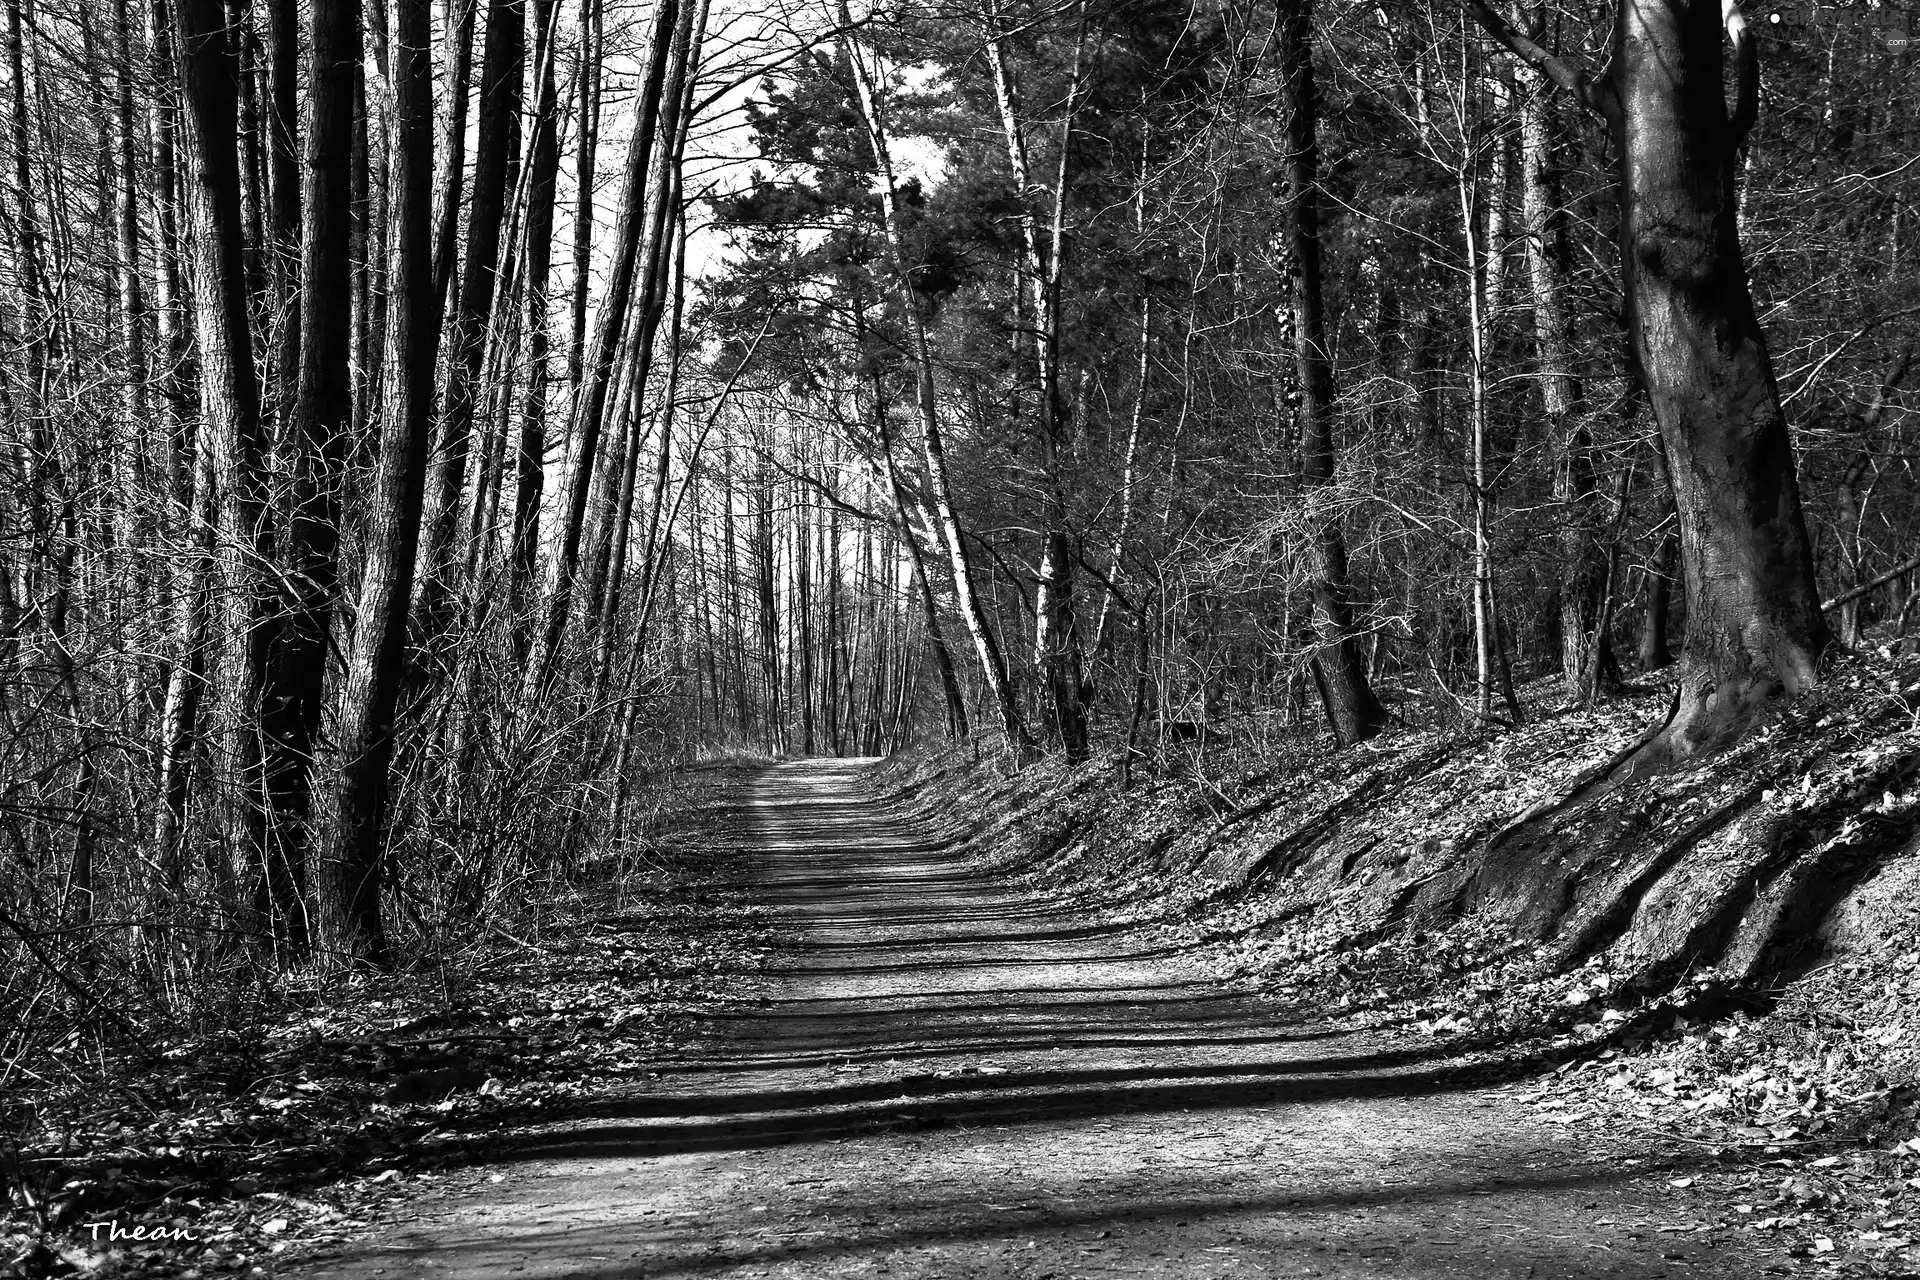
(896, 1020)
(942, 1072)
(289, 1115)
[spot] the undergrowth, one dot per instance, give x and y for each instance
(212, 1143)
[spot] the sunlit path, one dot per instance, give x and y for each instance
(949, 1077)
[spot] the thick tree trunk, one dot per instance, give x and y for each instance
(353, 804)
(316, 443)
(1754, 626)
(1754, 629)
(1351, 706)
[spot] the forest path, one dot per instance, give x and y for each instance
(946, 1076)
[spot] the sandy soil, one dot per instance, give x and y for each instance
(948, 1077)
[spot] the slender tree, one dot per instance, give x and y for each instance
(993, 667)
(467, 331)
(1355, 713)
(354, 803)
(235, 434)
(590, 406)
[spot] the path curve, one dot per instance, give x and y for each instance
(949, 1077)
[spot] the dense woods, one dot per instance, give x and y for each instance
(427, 424)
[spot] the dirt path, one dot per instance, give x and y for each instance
(946, 1078)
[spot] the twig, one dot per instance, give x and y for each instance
(1846, 597)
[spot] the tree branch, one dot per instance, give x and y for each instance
(1848, 597)
(1596, 95)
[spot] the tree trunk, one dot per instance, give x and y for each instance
(457, 22)
(230, 405)
(1351, 706)
(130, 286)
(500, 79)
(664, 256)
(585, 164)
(1754, 629)
(316, 444)
(353, 805)
(1754, 626)
(1056, 653)
(591, 404)
(1568, 439)
(530, 456)
(284, 218)
(1654, 652)
(956, 699)
(992, 666)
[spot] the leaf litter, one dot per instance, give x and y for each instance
(299, 1129)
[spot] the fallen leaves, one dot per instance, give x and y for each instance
(289, 1130)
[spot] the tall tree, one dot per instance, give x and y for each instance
(1569, 439)
(317, 443)
(284, 223)
(926, 401)
(530, 453)
(354, 803)
(1356, 714)
(1754, 627)
(467, 331)
(590, 405)
(1056, 647)
(236, 438)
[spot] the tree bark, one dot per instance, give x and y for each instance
(992, 666)
(1569, 441)
(237, 437)
(1754, 626)
(585, 165)
(316, 444)
(500, 80)
(284, 216)
(353, 805)
(1355, 713)
(135, 371)
(457, 23)
(530, 454)
(1754, 629)
(956, 699)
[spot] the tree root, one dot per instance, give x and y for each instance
(1696, 873)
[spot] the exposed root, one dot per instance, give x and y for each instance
(1721, 865)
